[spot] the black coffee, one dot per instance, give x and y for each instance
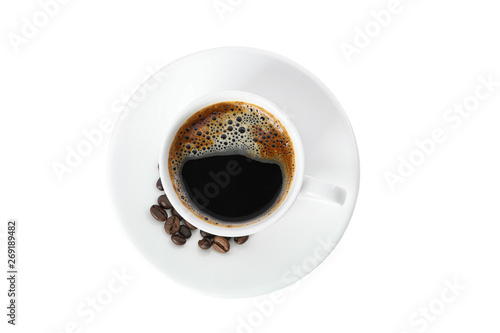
(231, 163)
(232, 188)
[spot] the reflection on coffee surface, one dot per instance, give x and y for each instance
(232, 163)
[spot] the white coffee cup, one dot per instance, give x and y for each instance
(309, 187)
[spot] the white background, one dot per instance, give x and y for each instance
(441, 224)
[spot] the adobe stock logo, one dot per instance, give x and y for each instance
(421, 319)
(453, 119)
(96, 136)
(224, 6)
(220, 180)
(266, 306)
(90, 309)
(31, 27)
(378, 21)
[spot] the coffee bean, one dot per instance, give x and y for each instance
(189, 225)
(205, 243)
(206, 234)
(228, 238)
(175, 213)
(184, 231)
(158, 213)
(172, 225)
(159, 185)
(178, 239)
(240, 240)
(221, 244)
(163, 202)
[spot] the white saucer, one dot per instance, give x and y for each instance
(309, 231)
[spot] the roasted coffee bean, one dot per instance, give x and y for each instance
(184, 231)
(206, 234)
(205, 243)
(158, 213)
(163, 202)
(159, 185)
(220, 244)
(240, 240)
(228, 238)
(178, 239)
(172, 225)
(189, 225)
(175, 213)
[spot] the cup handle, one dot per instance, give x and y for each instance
(319, 190)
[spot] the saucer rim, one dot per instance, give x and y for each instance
(319, 85)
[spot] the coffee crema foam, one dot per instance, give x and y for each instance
(231, 128)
